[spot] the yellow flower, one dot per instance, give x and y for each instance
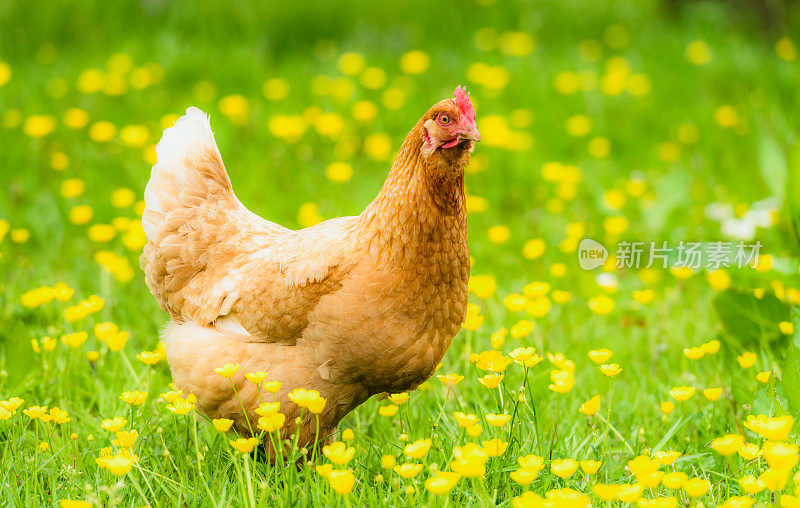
(643, 465)
(71, 503)
(351, 63)
(698, 53)
(236, 107)
(491, 360)
(182, 406)
(228, 370)
(749, 451)
(408, 470)
(339, 171)
(275, 89)
(272, 422)
(601, 304)
(469, 460)
(388, 411)
(76, 118)
(522, 328)
(644, 296)
(527, 499)
(222, 424)
(711, 347)
(728, 444)
(256, 377)
(134, 398)
(712, 394)
(38, 126)
(775, 478)
(102, 131)
(399, 398)
(590, 466)
(533, 248)
(339, 453)
(564, 468)
(348, 435)
(747, 359)
(667, 457)
(81, 214)
(150, 357)
(483, 286)
(74, 340)
(774, 429)
(465, 420)
(567, 498)
(630, 493)
(591, 406)
(474, 430)
(674, 480)
(442, 482)
(696, 487)
(118, 465)
(473, 320)
(498, 234)
(309, 399)
(667, 407)
(726, 116)
(450, 380)
(515, 302)
(693, 353)
(786, 327)
(495, 447)
(788, 501)
(719, 280)
(784, 48)
(497, 420)
(117, 341)
(271, 386)
(763, 377)
(171, 396)
(417, 449)
(127, 438)
(682, 393)
(781, 456)
(388, 461)
(562, 380)
(752, 485)
(113, 424)
(610, 370)
(414, 62)
(342, 481)
(244, 445)
(526, 357)
(599, 147)
(606, 492)
(599, 356)
(324, 470)
(491, 381)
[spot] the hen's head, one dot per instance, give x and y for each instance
(449, 126)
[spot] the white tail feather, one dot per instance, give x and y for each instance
(190, 135)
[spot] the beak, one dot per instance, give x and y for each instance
(472, 134)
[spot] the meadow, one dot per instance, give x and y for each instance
(673, 384)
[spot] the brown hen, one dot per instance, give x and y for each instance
(351, 307)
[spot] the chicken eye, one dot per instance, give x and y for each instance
(444, 119)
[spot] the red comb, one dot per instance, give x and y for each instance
(463, 103)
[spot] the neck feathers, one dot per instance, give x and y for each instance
(421, 201)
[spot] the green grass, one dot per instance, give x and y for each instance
(234, 49)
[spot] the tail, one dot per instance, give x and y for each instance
(188, 172)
